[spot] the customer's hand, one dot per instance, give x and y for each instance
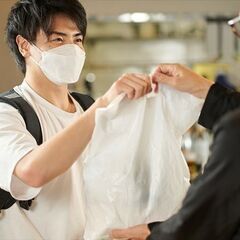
(139, 232)
(133, 85)
(182, 79)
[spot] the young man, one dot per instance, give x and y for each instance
(210, 210)
(46, 38)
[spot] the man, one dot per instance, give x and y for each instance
(46, 38)
(210, 210)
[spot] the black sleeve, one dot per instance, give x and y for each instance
(219, 101)
(152, 225)
(211, 207)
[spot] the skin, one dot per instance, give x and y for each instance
(139, 232)
(183, 79)
(57, 155)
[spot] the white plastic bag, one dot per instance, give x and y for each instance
(135, 172)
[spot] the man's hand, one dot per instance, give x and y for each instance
(139, 232)
(133, 85)
(182, 79)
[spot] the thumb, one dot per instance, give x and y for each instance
(119, 234)
(163, 78)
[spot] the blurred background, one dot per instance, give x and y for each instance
(136, 35)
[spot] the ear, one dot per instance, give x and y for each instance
(23, 46)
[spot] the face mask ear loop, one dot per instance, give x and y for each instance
(39, 50)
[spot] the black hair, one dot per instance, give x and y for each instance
(27, 17)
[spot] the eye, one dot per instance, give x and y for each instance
(79, 40)
(57, 40)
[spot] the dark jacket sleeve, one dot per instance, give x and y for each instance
(219, 101)
(211, 207)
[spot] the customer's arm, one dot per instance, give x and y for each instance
(219, 100)
(183, 79)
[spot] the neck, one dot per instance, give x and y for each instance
(55, 94)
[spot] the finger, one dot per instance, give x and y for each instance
(146, 78)
(163, 78)
(142, 79)
(136, 86)
(120, 234)
(168, 69)
(122, 87)
(156, 87)
(130, 92)
(144, 85)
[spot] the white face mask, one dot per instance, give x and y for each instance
(62, 65)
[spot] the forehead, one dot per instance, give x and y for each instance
(62, 22)
(59, 23)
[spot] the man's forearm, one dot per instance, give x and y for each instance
(56, 155)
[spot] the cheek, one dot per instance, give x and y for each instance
(35, 53)
(51, 45)
(80, 44)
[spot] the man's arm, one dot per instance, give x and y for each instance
(56, 155)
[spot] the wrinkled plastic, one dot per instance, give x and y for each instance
(135, 171)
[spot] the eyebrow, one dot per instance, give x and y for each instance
(64, 34)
